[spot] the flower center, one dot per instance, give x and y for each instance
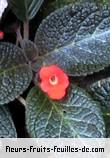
(53, 80)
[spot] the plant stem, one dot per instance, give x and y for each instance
(20, 40)
(26, 29)
(22, 101)
(19, 37)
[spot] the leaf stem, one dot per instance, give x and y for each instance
(26, 29)
(22, 100)
(21, 41)
(19, 37)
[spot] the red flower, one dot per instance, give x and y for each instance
(1, 35)
(54, 81)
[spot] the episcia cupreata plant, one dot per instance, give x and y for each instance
(71, 46)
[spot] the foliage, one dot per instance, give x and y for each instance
(24, 9)
(7, 128)
(77, 116)
(76, 38)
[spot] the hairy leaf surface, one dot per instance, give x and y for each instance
(101, 91)
(15, 74)
(7, 129)
(30, 50)
(77, 38)
(76, 116)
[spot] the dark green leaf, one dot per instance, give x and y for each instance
(76, 116)
(15, 74)
(30, 50)
(101, 92)
(24, 9)
(56, 4)
(77, 38)
(7, 129)
(107, 123)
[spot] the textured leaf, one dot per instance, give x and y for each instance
(25, 8)
(101, 91)
(107, 123)
(76, 116)
(7, 129)
(77, 38)
(30, 49)
(15, 74)
(56, 4)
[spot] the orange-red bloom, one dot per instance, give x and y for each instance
(54, 81)
(1, 35)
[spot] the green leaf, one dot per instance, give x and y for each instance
(7, 128)
(15, 73)
(30, 50)
(75, 116)
(24, 9)
(107, 123)
(56, 4)
(77, 38)
(101, 92)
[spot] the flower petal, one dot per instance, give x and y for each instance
(64, 80)
(1, 35)
(45, 86)
(56, 94)
(55, 91)
(62, 76)
(45, 72)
